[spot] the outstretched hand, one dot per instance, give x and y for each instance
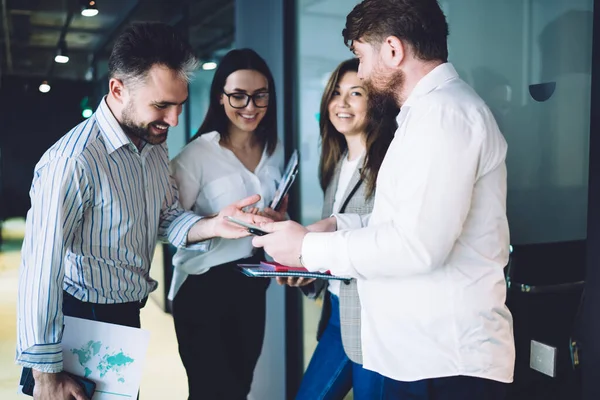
(229, 230)
(219, 226)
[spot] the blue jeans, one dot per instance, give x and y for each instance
(449, 388)
(331, 374)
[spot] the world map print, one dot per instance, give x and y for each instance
(93, 356)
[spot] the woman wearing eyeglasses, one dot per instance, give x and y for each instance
(219, 313)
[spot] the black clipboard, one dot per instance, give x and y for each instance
(256, 271)
(289, 175)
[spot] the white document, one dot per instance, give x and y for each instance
(111, 355)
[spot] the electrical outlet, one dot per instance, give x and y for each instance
(543, 358)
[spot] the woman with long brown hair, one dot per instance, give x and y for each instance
(354, 140)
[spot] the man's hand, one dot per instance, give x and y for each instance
(295, 281)
(324, 225)
(218, 226)
(277, 215)
(284, 243)
(58, 386)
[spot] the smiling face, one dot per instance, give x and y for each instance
(153, 106)
(238, 86)
(348, 105)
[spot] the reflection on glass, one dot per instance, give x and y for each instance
(531, 62)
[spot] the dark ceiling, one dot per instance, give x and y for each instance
(30, 31)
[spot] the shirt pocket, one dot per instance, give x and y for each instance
(224, 191)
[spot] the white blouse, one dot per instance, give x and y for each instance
(210, 177)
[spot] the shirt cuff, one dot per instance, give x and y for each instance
(348, 221)
(179, 229)
(316, 251)
(44, 358)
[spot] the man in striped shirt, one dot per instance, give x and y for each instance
(100, 198)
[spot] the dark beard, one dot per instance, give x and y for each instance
(383, 97)
(382, 104)
(141, 132)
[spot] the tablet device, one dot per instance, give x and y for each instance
(253, 229)
(289, 175)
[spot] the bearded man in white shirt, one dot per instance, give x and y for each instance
(429, 260)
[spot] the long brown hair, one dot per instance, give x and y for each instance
(379, 132)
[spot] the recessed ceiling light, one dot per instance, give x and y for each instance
(207, 66)
(45, 87)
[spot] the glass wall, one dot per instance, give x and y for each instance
(530, 60)
(320, 50)
(199, 99)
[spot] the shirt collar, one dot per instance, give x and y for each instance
(110, 128)
(440, 74)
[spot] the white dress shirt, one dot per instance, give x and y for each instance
(346, 171)
(429, 263)
(98, 206)
(210, 177)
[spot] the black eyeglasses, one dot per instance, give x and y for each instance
(241, 100)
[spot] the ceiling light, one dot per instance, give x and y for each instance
(207, 66)
(89, 9)
(62, 57)
(45, 87)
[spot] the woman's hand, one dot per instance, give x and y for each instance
(324, 225)
(295, 281)
(277, 216)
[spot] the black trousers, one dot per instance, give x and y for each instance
(220, 324)
(127, 314)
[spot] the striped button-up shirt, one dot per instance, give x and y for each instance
(98, 206)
